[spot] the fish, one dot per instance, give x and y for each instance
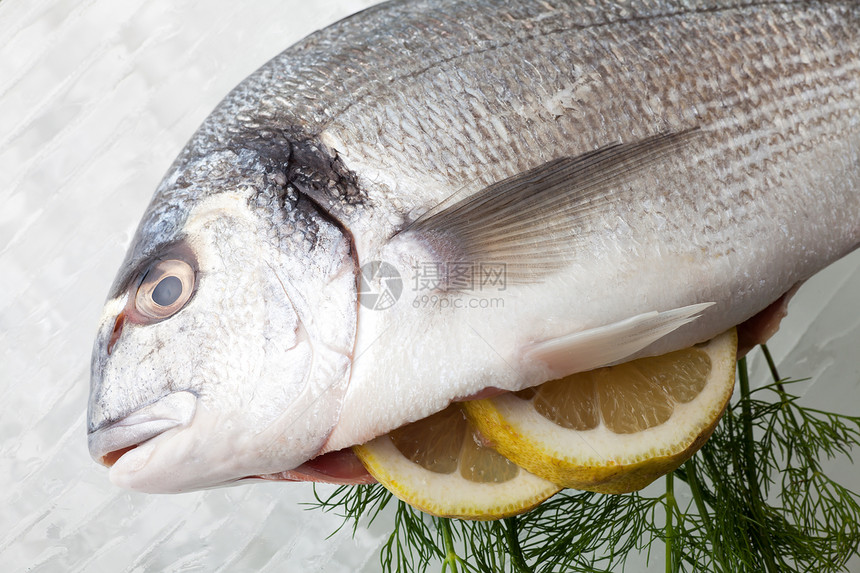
(432, 201)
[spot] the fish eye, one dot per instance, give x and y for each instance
(165, 289)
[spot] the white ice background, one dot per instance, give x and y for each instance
(96, 99)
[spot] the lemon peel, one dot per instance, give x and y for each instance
(442, 467)
(622, 426)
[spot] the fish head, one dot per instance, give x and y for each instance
(224, 348)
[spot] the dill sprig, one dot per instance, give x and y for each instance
(759, 500)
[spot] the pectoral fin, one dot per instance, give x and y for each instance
(604, 345)
(531, 222)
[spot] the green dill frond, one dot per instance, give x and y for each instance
(754, 498)
(353, 503)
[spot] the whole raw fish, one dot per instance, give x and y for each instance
(434, 199)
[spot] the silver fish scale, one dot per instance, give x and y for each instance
(315, 81)
(450, 95)
(421, 100)
(520, 104)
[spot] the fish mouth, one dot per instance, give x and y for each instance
(109, 443)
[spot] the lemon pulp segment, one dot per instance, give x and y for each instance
(618, 428)
(441, 466)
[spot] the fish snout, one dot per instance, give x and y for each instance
(111, 440)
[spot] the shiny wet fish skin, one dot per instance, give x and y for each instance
(326, 157)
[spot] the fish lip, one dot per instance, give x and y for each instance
(108, 443)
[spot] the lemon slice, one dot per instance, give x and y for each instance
(614, 429)
(441, 466)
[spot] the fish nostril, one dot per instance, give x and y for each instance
(110, 458)
(117, 331)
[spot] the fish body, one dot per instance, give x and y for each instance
(432, 199)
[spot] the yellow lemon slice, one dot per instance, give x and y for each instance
(614, 429)
(441, 466)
